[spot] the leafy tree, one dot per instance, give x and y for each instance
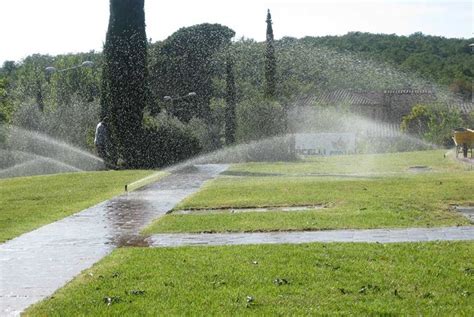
(29, 82)
(441, 124)
(77, 83)
(187, 62)
(8, 69)
(270, 60)
(230, 102)
(124, 76)
(6, 107)
(432, 123)
(416, 122)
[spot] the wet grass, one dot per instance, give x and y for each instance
(428, 279)
(384, 164)
(399, 200)
(30, 202)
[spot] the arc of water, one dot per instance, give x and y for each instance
(41, 158)
(34, 162)
(49, 140)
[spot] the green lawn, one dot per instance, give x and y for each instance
(383, 164)
(30, 202)
(435, 279)
(411, 201)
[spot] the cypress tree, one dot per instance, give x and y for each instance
(270, 60)
(230, 99)
(124, 77)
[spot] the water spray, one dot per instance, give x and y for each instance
(32, 153)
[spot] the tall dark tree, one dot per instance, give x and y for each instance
(270, 60)
(124, 77)
(230, 99)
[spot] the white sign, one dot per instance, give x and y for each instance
(325, 143)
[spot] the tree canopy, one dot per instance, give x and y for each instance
(186, 62)
(193, 60)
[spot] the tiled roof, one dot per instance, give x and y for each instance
(463, 107)
(361, 97)
(409, 92)
(343, 96)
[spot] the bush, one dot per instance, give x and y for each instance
(258, 119)
(275, 149)
(416, 122)
(432, 123)
(401, 143)
(166, 141)
(207, 134)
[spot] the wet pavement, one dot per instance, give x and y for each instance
(467, 160)
(37, 263)
(247, 209)
(464, 233)
(466, 211)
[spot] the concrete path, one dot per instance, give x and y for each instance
(37, 263)
(370, 235)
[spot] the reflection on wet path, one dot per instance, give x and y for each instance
(37, 263)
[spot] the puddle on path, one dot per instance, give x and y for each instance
(247, 209)
(37, 263)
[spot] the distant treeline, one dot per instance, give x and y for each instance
(446, 61)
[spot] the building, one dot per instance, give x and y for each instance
(387, 106)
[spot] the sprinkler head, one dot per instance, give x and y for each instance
(126, 189)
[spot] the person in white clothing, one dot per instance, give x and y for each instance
(102, 141)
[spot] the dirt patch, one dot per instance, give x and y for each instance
(419, 169)
(249, 174)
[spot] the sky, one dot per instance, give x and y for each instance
(70, 26)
